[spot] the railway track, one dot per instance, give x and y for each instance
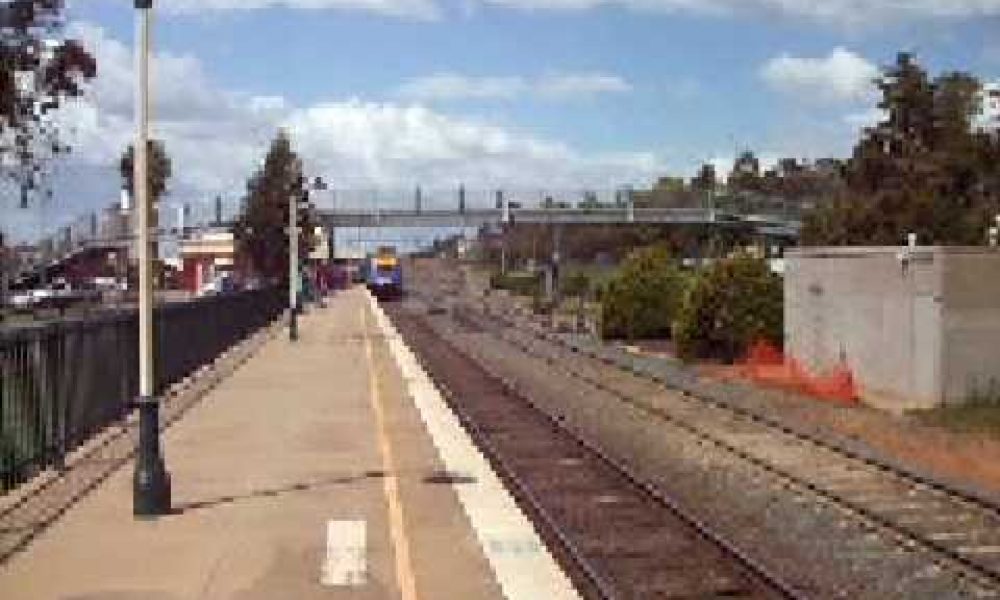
(616, 536)
(959, 531)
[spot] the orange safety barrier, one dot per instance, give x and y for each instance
(767, 365)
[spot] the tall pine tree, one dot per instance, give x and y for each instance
(261, 231)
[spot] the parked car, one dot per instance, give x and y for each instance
(21, 300)
(59, 294)
(223, 284)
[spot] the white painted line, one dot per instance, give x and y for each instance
(522, 565)
(346, 550)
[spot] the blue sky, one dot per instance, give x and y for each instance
(517, 93)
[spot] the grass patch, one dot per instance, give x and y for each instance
(979, 414)
(981, 419)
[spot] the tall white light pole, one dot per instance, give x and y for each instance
(151, 483)
(293, 267)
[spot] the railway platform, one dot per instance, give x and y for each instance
(327, 467)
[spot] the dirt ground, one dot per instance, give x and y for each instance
(933, 442)
(953, 445)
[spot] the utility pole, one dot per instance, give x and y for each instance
(5, 265)
(151, 482)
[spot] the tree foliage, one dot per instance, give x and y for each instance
(38, 72)
(923, 169)
(643, 297)
(732, 304)
(159, 169)
(261, 230)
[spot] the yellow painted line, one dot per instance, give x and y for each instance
(523, 567)
(400, 543)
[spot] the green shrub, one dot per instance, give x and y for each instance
(517, 283)
(732, 304)
(640, 301)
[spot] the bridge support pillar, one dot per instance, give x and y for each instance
(504, 207)
(556, 259)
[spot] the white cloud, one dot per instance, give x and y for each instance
(217, 137)
(358, 144)
(866, 118)
(584, 84)
(449, 86)
(210, 133)
(844, 12)
(852, 13)
(419, 9)
(566, 86)
(841, 76)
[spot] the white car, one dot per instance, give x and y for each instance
(22, 300)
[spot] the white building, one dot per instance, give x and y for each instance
(989, 117)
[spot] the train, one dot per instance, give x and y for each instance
(384, 274)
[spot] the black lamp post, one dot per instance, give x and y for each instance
(151, 482)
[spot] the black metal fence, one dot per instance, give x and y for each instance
(62, 382)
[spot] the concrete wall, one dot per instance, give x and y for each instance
(971, 323)
(918, 327)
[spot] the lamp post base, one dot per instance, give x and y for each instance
(151, 481)
(293, 325)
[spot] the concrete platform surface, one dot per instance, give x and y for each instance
(317, 470)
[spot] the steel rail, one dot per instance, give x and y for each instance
(702, 529)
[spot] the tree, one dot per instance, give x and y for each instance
(38, 72)
(261, 231)
(640, 301)
(923, 169)
(159, 169)
(731, 305)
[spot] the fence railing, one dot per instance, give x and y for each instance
(64, 381)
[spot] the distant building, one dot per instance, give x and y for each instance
(207, 256)
(321, 250)
(989, 117)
